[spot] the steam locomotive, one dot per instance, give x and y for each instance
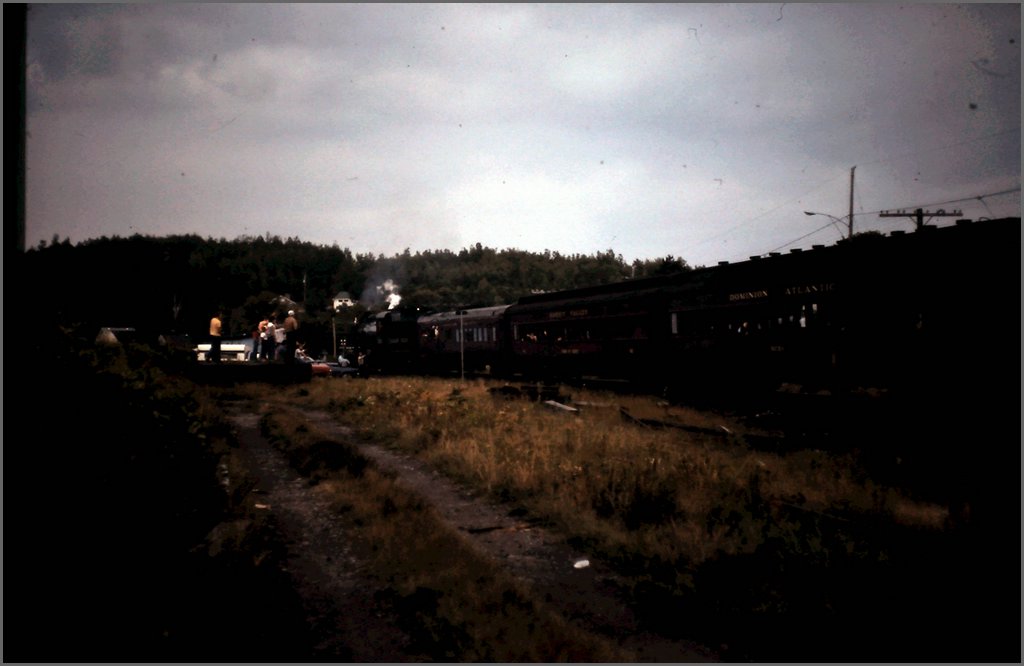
(932, 310)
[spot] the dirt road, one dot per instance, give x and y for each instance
(349, 624)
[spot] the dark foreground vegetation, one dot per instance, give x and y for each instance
(133, 535)
(123, 541)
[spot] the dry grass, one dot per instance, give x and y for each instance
(455, 604)
(630, 491)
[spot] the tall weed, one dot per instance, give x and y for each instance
(670, 494)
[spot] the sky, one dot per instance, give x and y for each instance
(701, 131)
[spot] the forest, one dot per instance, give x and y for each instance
(174, 284)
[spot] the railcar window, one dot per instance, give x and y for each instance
(532, 333)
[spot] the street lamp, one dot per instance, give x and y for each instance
(835, 220)
(849, 233)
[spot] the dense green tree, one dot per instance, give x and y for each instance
(176, 283)
(666, 265)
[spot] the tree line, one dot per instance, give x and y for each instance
(174, 284)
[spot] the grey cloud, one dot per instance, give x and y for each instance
(272, 109)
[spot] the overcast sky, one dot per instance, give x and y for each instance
(697, 130)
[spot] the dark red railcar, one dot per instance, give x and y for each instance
(471, 340)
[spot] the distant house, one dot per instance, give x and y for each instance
(343, 299)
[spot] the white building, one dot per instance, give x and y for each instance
(343, 300)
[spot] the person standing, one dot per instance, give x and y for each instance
(215, 329)
(270, 342)
(264, 345)
(291, 327)
(254, 353)
(279, 340)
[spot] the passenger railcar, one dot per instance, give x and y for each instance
(752, 325)
(605, 331)
(915, 312)
(474, 340)
(872, 312)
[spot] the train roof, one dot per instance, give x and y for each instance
(490, 312)
(966, 243)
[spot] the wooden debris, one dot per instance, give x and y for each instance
(657, 423)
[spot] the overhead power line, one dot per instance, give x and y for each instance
(978, 197)
(919, 214)
(796, 240)
(767, 212)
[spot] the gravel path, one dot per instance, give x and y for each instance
(351, 626)
(346, 621)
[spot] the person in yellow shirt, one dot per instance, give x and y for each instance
(264, 345)
(215, 326)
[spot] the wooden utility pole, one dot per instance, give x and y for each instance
(850, 228)
(836, 220)
(918, 215)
